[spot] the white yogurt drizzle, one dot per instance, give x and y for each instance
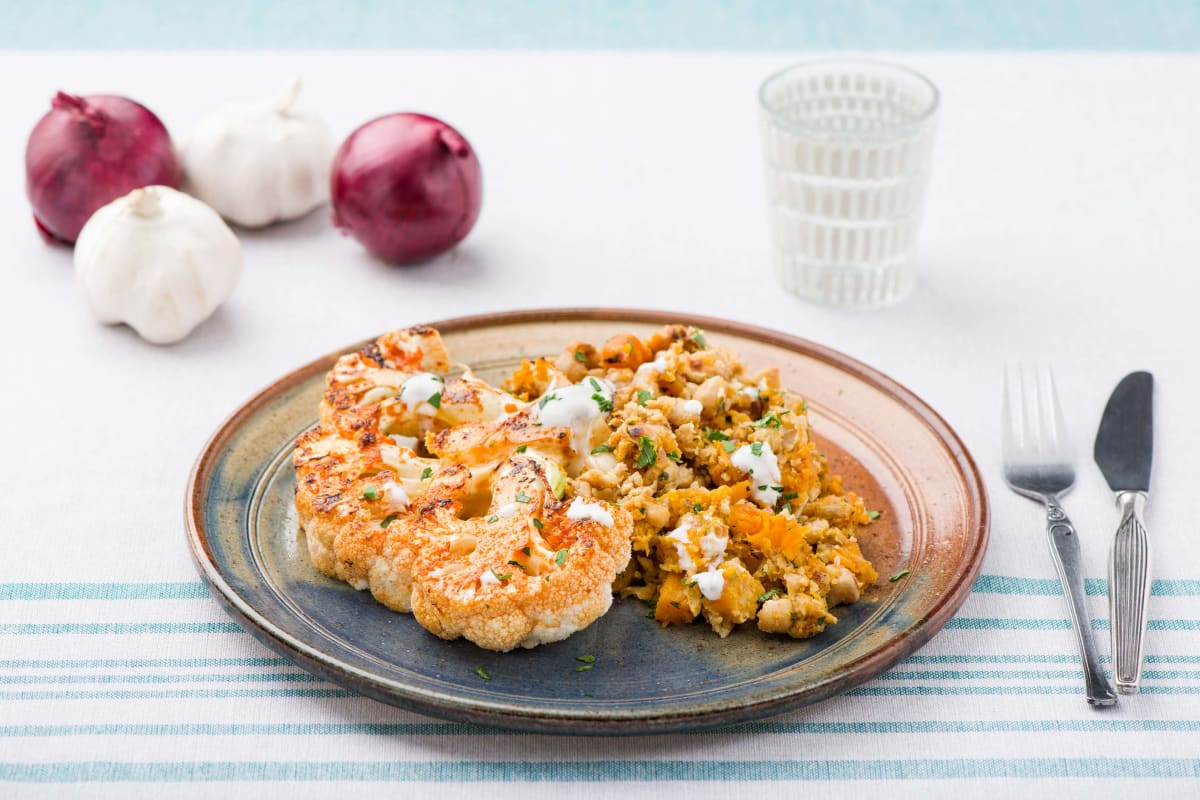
(575, 407)
(419, 389)
(763, 470)
(588, 509)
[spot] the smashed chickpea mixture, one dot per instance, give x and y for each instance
(655, 469)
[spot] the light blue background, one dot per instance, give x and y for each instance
(1160, 25)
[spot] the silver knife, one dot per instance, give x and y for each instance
(1124, 450)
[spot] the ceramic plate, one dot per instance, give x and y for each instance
(891, 448)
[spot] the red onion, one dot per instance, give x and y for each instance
(87, 152)
(406, 186)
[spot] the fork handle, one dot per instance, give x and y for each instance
(1064, 548)
(1129, 591)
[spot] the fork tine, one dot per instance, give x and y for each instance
(1060, 442)
(1027, 402)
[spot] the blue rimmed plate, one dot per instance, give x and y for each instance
(890, 447)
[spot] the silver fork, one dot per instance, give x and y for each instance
(1038, 465)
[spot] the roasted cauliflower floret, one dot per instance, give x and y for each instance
(530, 570)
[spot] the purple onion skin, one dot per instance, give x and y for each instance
(408, 187)
(88, 151)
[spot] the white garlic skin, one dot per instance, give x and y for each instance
(158, 261)
(259, 162)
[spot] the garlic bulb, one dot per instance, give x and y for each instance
(158, 260)
(260, 162)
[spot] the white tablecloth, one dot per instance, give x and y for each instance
(1061, 227)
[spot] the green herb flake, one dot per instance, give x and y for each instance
(588, 659)
(505, 577)
(493, 518)
(678, 459)
(767, 595)
(804, 405)
(522, 448)
(483, 673)
(525, 550)
(648, 454)
(542, 403)
(643, 396)
(603, 403)
(371, 492)
(756, 448)
(789, 496)
(874, 514)
(583, 667)
(388, 520)
(518, 564)
(904, 573)
(729, 446)
(560, 557)
(601, 448)
(697, 508)
(715, 435)
(770, 420)
(521, 497)
(596, 387)
(436, 400)
(581, 356)
(537, 523)
(675, 603)
(698, 338)
(650, 614)
(426, 473)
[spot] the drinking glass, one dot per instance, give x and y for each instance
(847, 145)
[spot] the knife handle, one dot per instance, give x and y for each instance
(1064, 548)
(1129, 591)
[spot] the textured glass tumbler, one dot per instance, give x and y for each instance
(847, 146)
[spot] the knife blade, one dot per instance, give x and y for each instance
(1124, 452)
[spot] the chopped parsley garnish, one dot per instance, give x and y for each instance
(698, 338)
(603, 403)
(522, 448)
(537, 523)
(804, 405)
(874, 514)
(388, 520)
(525, 550)
(583, 667)
(494, 518)
(483, 673)
(678, 459)
(596, 387)
(756, 448)
(560, 557)
(435, 400)
(770, 420)
(505, 577)
(588, 659)
(789, 496)
(371, 492)
(729, 446)
(542, 403)
(521, 497)
(767, 595)
(601, 448)
(697, 508)
(675, 603)
(581, 356)
(648, 454)
(518, 564)
(764, 487)
(904, 573)
(715, 436)
(426, 473)
(643, 396)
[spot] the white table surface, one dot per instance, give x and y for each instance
(1061, 226)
